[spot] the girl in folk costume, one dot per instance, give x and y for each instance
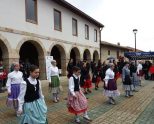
(127, 83)
(13, 86)
(99, 67)
(110, 86)
(55, 81)
(77, 102)
(85, 81)
(32, 107)
(96, 75)
(139, 72)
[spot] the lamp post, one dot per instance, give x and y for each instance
(135, 31)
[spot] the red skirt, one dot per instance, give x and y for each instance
(77, 105)
(140, 73)
(87, 84)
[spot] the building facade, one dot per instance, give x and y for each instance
(112, 50)
(33, 29)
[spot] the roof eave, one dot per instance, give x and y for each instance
(78, 12)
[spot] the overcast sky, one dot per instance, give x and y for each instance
(120, 17)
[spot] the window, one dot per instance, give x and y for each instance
(57, 20)
(95, 35)
(31, 11)
(108, 52)
(74, 27)
(117, 53)
(87, 32)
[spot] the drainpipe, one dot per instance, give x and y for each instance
(100, 42)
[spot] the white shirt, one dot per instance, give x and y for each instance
(14, 77)
(139, 67)
(53, 71)
(71, 84)
(23, 88)
(108, 75)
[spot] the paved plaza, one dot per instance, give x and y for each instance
(138, 109)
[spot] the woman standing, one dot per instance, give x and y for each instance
(13, 86)
(110, 86)
(54, 81)
(77, 102)
(31, 100)
(128, 87)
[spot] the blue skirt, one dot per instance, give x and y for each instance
(34, 112)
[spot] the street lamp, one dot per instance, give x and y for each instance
(135, 31)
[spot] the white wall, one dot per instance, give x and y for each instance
(12, 15)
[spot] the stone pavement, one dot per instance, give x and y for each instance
(138, 109)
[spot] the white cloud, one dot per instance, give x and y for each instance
(120, 17)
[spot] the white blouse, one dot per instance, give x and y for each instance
(139, 67)
(15, 77)
(23, 88)
(53, 71)
(108, 75)
(71, 84)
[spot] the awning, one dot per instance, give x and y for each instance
(139, 55)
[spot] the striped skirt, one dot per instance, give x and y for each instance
(77, 105)
(34, 112)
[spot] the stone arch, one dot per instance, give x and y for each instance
(75, 55)
(59, 54)
(5, 51)
(32, 51)
(95, 56)
(86, 55)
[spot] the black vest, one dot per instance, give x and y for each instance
(76, 84)
(32, 92)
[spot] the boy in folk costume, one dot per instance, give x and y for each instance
(13, 86)
(110, 85)
(32, 107)
(77, 102)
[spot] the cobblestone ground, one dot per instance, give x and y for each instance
(138, 109)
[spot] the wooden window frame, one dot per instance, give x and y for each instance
(94, 35)
(73, 19)
(36, 13)
(87, 32)
(60, 20)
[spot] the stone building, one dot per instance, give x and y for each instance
(113, 50)
(33, 29)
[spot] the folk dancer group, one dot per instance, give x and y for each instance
(25, 95)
